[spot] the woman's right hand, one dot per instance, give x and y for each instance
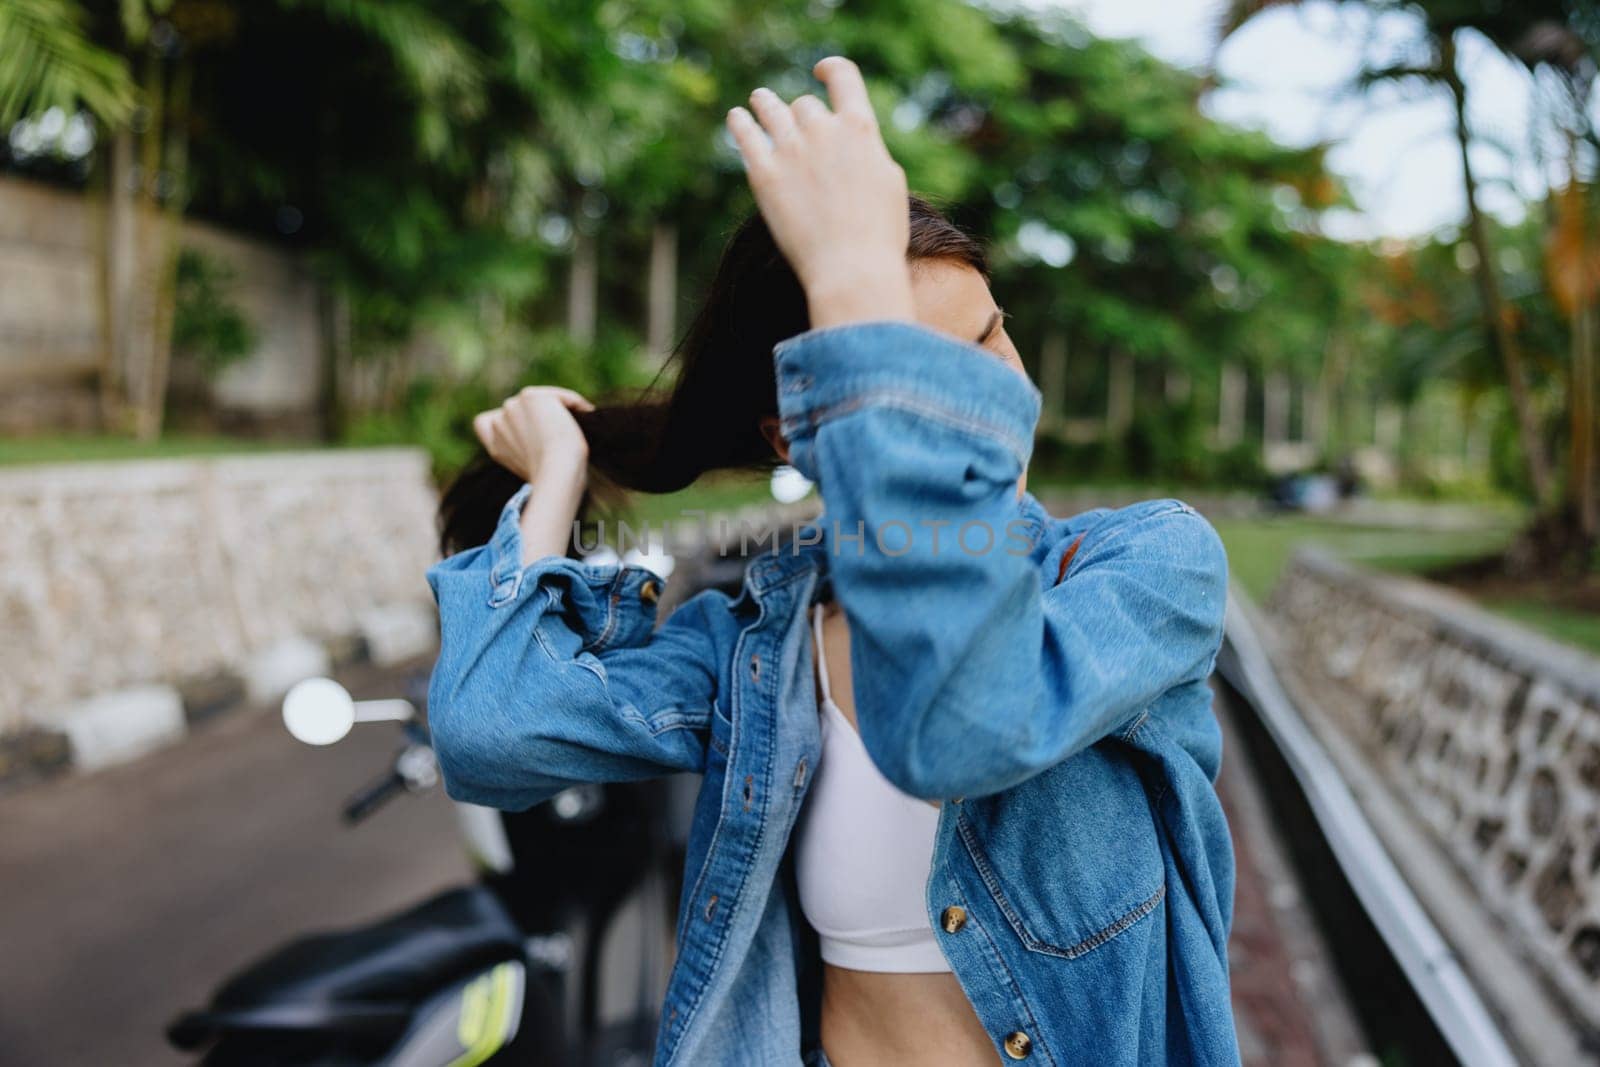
(534, 435)
(833, 198)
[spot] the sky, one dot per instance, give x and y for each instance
(1284, 72)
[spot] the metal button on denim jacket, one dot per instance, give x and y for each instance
(1061, 712)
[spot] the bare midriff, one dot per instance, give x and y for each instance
(915, 1020)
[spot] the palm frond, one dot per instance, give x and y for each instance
(445, 74)
(1396, 72)
(438, 64)
(47, 60)
(1235, 13)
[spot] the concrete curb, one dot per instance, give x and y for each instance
(123, 724)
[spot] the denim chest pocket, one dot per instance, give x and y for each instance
(1072, 857)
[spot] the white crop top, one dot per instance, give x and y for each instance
(864, 850)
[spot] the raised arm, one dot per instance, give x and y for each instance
(548, 672)
(549, 675)
(971, 673)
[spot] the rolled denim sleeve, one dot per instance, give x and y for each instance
(552, 674)
(970, 674)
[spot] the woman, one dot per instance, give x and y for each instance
(957, 755)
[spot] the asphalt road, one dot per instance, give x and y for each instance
(125, 896)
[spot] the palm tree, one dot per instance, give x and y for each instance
(56, 57)
(1570, 51)
(1442, 20)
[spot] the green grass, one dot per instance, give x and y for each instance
(711, 494)
(1577, 628)
(77, 449)
(1258, 548)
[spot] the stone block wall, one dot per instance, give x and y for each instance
(1491, 735)
(116, 574)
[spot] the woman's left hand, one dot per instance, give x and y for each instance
(832, 196)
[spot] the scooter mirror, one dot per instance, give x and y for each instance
(318, 711)
(789, 485)
(653, 557)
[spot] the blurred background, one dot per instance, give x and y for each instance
(1329, 270)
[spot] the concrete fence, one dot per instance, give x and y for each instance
(117, 576)
(51, 306)
(1488, 734)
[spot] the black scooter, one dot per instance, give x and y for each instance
(557, 955)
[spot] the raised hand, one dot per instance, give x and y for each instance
(533, 433)
(832, 196)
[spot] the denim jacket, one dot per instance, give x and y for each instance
(1061, 714)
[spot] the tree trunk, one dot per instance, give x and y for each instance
(1314, 416)
(1323, 423)
(1582, 488)
(661, 324)
(118, 247)
(1583, 484)
(1119, 395)
(334, 306)
(1176, 386)
(1496, 319)
(1275, 409)
(1232, 391)
(1053, 375)
(1475, 443)
(174, 140)
(141, 326)
(1386, 420)
(583, 287)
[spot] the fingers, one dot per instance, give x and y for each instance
(774, 114)
(807, 110)
(575, 401)
(780, 121)
(569, 398)
(486, 425)
(490, 426)
(847, 91)
(754, 147)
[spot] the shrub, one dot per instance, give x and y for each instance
(207, 325)
(435, 411)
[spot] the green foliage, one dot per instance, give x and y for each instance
(1259, 547)
(1153, 452)
(436, 161)
(435, 411)
(1428, 301)
(442, 73)
(207, 326)
(433, 414)
(48, 61)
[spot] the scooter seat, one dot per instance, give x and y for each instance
(367, 980)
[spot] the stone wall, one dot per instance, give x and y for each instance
(1490, 733)
(115, 574)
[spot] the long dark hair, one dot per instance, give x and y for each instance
(709, 417)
